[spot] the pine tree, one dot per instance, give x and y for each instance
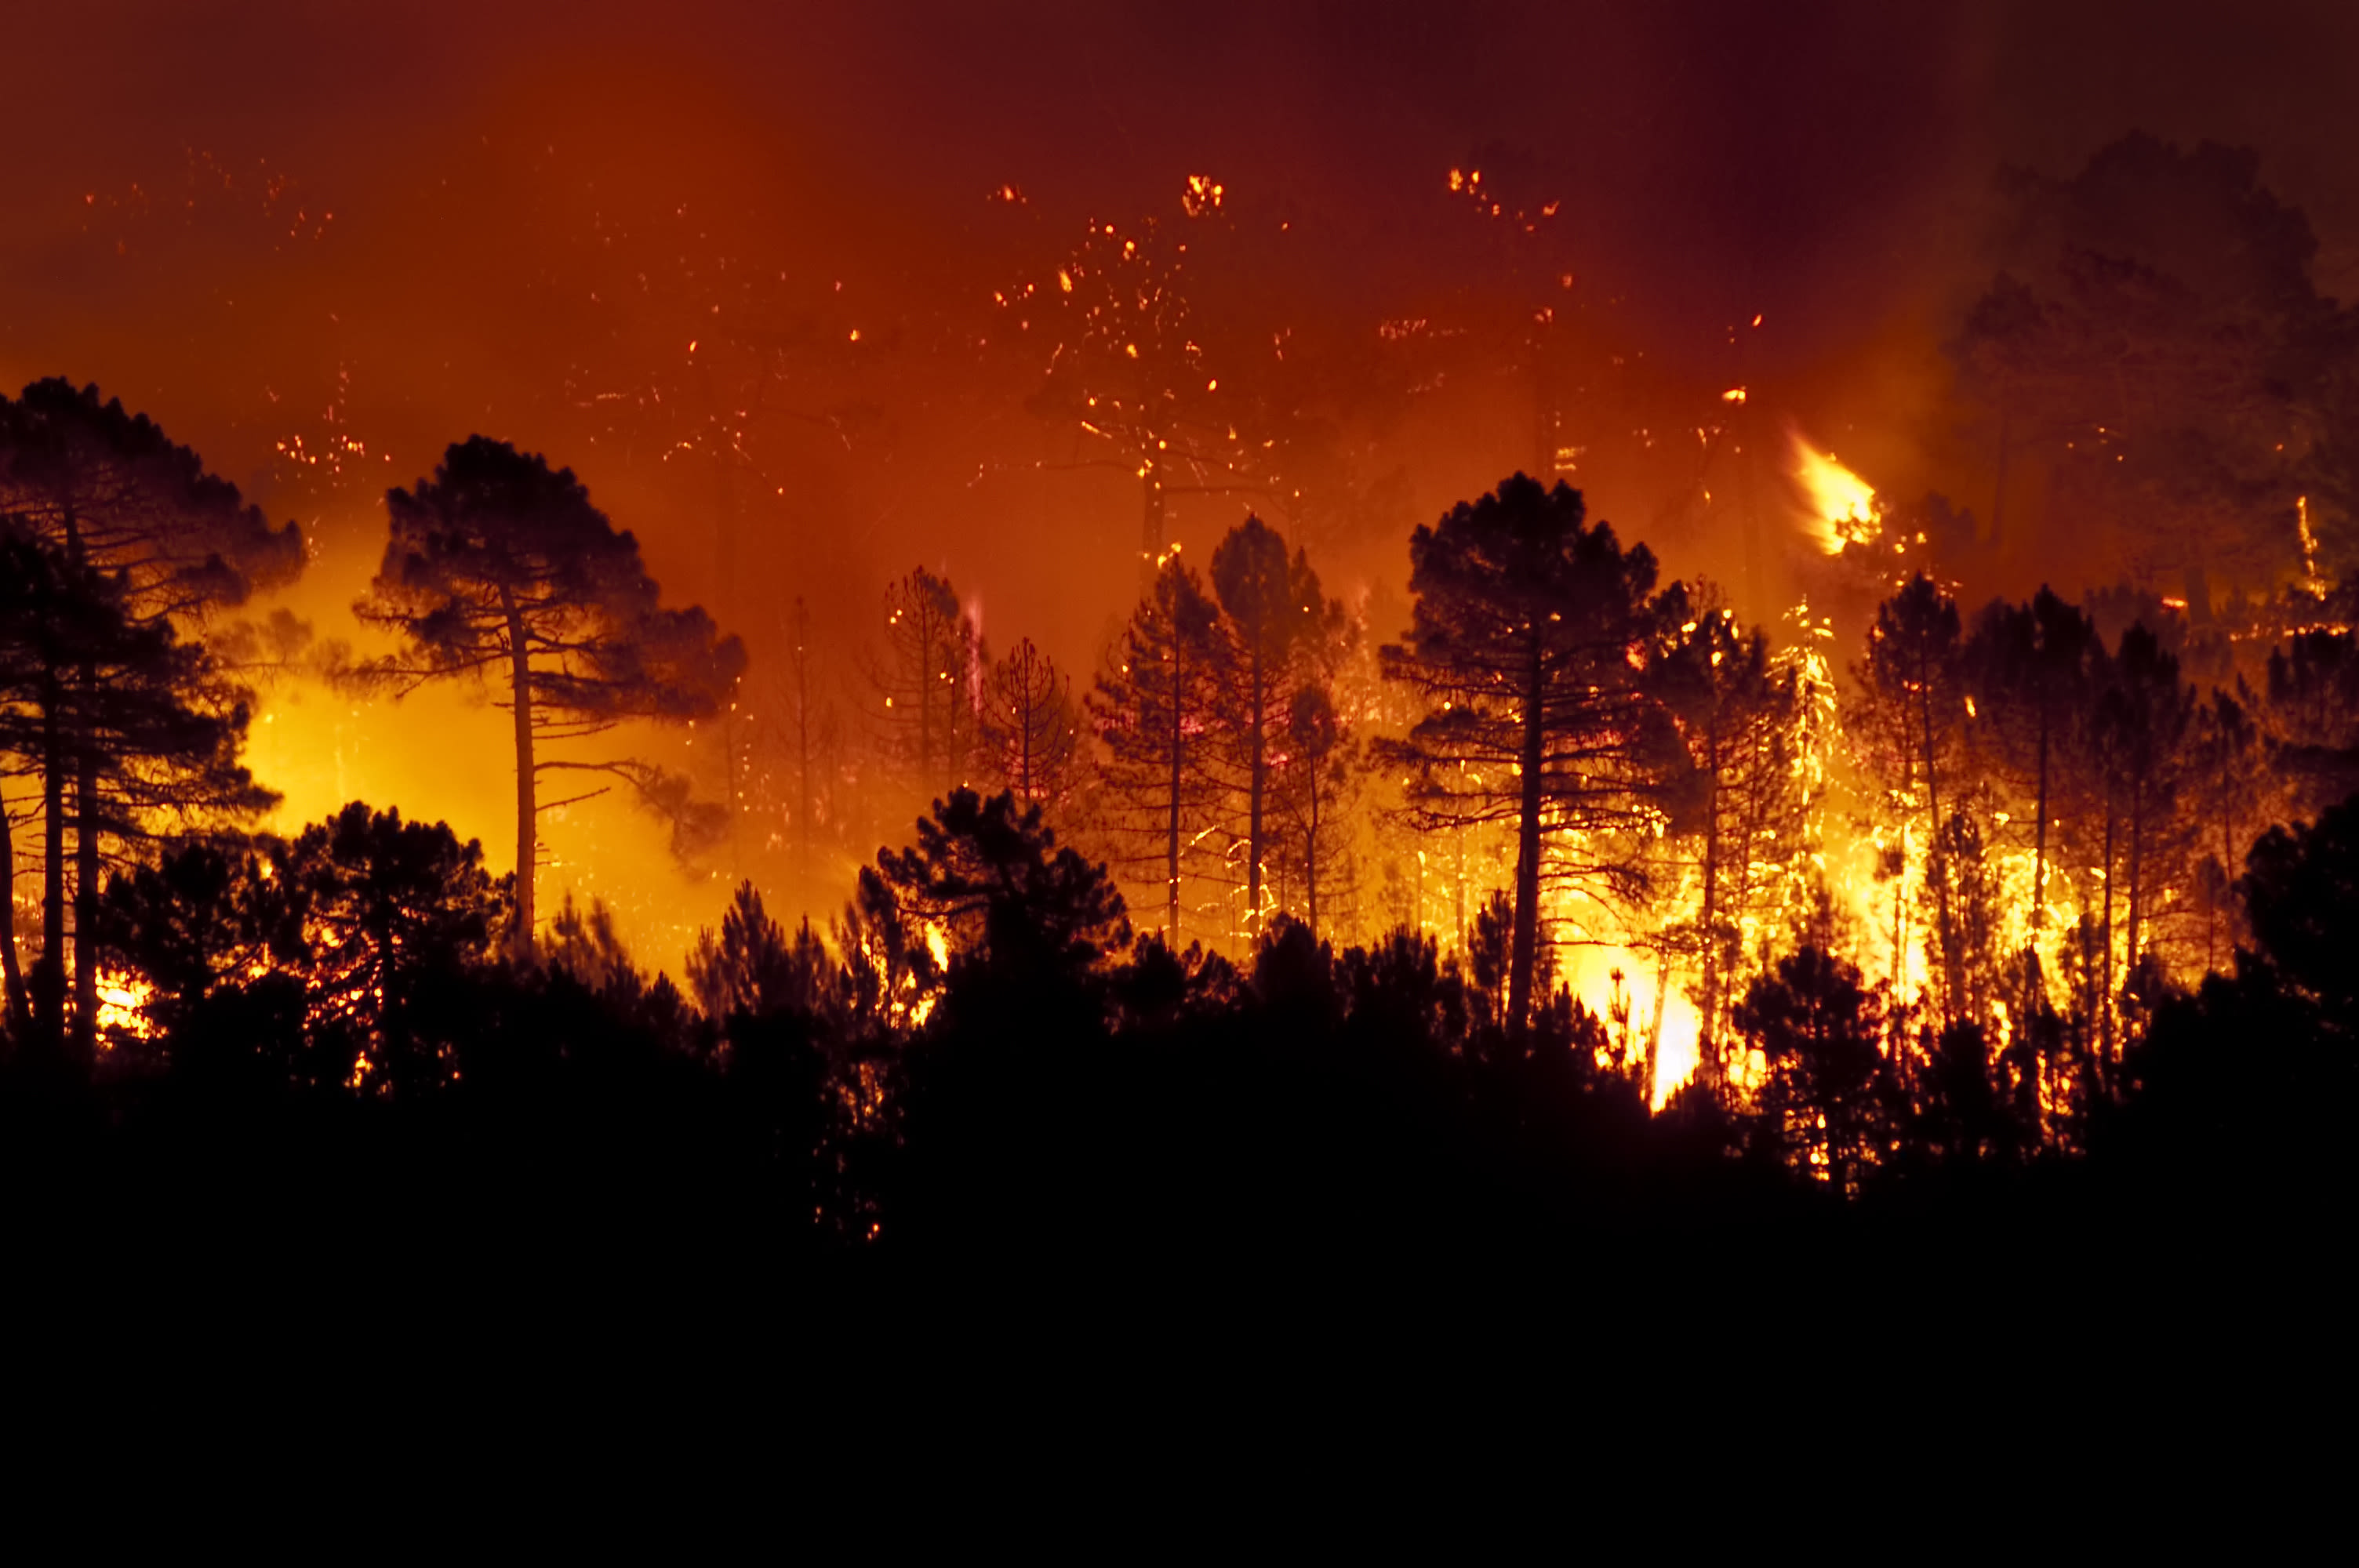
(1031, 729)
(1317, 782)
(1531, 629)
(498, 568)
(925, 683)
(2234, 794)
(124, 722)
(396, 914)
(2143, 720)
(1904, 723)
(1743, 809)
(1279, 628)
(1154, 711)
(112, 493)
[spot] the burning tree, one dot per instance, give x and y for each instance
(1531, 631)
(120, 720)
(1154, 708)
(1278, 627)
(1906, 715)
(926, 683)
(395, 913)
(2143, 721)
(497, 564)
(1030, 727)
(1744, 715)
(139, 537)
(1314, 793)
(1819, 1026)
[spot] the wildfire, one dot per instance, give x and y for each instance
(1841, 506)
(123, 1006)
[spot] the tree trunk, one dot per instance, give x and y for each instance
(1024, 726)
(19, 1005)
(85, 907)
(2105, 973)
(2137, 868)
(1310, 854)
(520, 946)
(1937, 863)
(49, 974)
(1171, 879)
(1707, 1047)
(2040, 838)
(1259, 750)
(1524, 953)
(926, 677)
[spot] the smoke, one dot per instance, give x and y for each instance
(536, 210)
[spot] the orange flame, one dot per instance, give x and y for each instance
(1842, 507)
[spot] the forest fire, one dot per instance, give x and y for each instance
(504, 619)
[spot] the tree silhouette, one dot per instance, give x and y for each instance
(1030, 727)
(756, 967)
(1741, 714)
(1531, 631)
(2233, 793)
(991, 875)
(926, 682)
(1818, 1026)
(209, 912)
(2156, 343)
(2313, 691)
(122, 720)
(395, 915)
(112, 494)
(584, 942)
(1154, 710)
(1313, 791)
(1906, 712)
(2143, 717)
(1278, 623)
(497, 566)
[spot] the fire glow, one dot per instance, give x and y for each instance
(1840, 507)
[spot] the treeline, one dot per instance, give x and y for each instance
(977, 1059)
(1942, 917)
(1991, 847)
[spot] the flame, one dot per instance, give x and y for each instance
(1607, 978)
(1843, 507)
(122, 1005)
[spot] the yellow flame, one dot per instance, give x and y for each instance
(1842, 505)
(123, 1004)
